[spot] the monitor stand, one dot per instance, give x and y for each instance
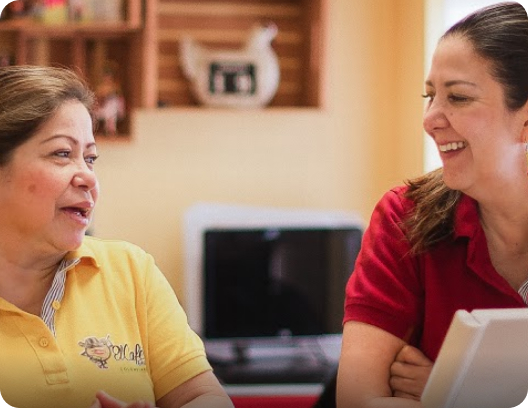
(241, 352)
(271, 361)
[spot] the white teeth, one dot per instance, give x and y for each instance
(81, 212)
(451, 146)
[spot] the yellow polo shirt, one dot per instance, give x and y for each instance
(112, 322)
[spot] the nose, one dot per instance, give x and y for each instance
(434, 117)
(85, 179)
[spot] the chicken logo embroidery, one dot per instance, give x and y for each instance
(98, 350)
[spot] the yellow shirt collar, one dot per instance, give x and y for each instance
(84, 253)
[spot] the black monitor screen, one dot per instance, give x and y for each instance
(276, 282)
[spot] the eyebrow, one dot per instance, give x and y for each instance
(453, 82)
(72, 139)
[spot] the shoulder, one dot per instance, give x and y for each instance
(394, 203)
(105, 251)
(100, 245)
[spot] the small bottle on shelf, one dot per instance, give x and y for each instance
(108, 10)
(54, 11)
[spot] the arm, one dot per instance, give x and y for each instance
(363, 379)
(383, 310)
(204, 390)
(409, 373)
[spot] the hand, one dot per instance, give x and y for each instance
(103, 400)
(409, 373)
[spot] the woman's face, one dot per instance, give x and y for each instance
(48, 189)
(479, 140)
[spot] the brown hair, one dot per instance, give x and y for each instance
(499, 34)
(432, 219)
(29, 96)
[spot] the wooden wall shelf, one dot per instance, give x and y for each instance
(90, 48)
(70, 29)
(225, 24)
(144, 47)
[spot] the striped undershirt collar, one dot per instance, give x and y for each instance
(523, 291)
(56, 293)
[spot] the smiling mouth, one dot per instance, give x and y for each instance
(448, 147)
(81, 212)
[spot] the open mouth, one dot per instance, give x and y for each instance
(79, 212)
(452, 146)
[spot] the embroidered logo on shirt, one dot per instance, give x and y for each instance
(100, 349)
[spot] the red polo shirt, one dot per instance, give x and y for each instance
(415, 297)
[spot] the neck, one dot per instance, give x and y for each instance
(506, 235)
(25, 280)
(507, 241)
(506, 219)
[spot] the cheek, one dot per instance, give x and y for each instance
(36, 185)
(95, 192)
(473, 128)
(41, 185)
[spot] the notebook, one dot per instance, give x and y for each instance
(483, 362)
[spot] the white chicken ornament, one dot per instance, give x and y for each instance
(241, 78)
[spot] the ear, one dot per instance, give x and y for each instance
(524, 132)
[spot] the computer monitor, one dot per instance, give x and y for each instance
(265, 287)
(278, 281)
(251, 227)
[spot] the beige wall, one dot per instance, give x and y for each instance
(344, 156)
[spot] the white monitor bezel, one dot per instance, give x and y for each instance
(204, 216)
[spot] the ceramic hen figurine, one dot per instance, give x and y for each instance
(243, 78)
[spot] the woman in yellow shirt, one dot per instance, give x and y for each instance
(83, 322)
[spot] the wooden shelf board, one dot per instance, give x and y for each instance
(31, 29)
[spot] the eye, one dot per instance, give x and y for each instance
(91, 159)
(428, 95)
(62, 153)
(458, 98)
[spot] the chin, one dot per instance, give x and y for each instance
(72, 242)
(78, 240)
(455, 181)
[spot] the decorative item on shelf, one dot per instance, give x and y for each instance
(6, 59)
(80, 10)
(242, 78)
(110, 11)
(111, 103)
(53, 11)
(16, 10)
(13, 10)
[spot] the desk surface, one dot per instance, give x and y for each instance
(274, 395)
(274, 389)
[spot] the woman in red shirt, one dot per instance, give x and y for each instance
(455, 238)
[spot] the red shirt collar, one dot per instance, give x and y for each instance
(467, 221)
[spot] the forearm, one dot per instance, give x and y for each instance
(363, 379)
